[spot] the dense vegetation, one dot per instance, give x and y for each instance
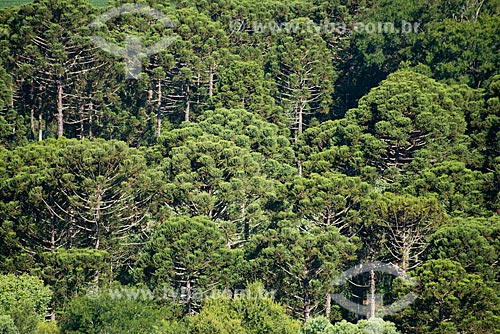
(226, 187)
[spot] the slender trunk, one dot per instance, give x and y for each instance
(188, 292)
(32, 120)
(82, 125)
(299, 167)
(372, 294)
(91, 111)
(60, 120)
(211, 82)
(405, 260)
(158, 111)
(150, 99)
(300, 116)
(188, 105)
(52, 236)
(307, 306)
(40, 126)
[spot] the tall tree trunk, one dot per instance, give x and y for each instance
(150, 99)
(188, 105)
(91, 112)
(211, 82)
(372, 294)
(60, 119)
(158, 111)
(40, 126)
(300, 117)
(405, 258)
(307, 306)
(32, 120)
(188, 292)
(82, 121)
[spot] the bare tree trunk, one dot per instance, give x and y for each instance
(150, 99)
(40, 126)
(91, 111)
(307, 306)
(372, 294)
(405, 261)
(158, 111)
(60, 119)
(32, 120)
(299, 167)
(211, 82)
(188, 105)
(300, 117)
(82, 125)
(188, 291)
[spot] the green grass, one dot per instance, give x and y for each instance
(8, 3)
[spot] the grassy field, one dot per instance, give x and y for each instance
(7, 3)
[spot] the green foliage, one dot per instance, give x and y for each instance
(321, 325)
(328, 199)
(217, 317)
(68, 271)
(187, 254)
(444, 43)
(243, 128)
(332, 146)
(459, 189)
(47, 327)
(5, 88)
(317, 325)
(396, 227)
(24, 298)
(299, 262)
(473, 242)
(8, 3)
(105, 314)
(304, 73)
(262, 145)
(50, 195)
(224, 179)
(243, 85)
(455, 39)
(7, 325)
(251, 313)
(406, 113)
(450, 300)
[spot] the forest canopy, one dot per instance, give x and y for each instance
(173, 166)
